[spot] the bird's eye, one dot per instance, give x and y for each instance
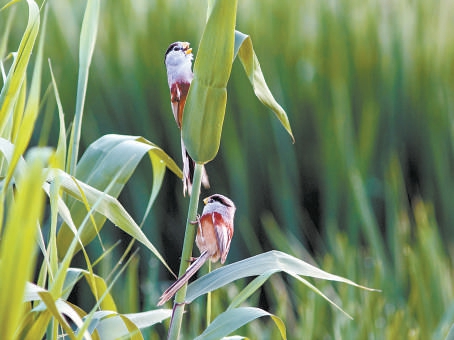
(177, 48)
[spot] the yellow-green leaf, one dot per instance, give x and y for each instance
(18, 249)
(16, 75)
(247, 56)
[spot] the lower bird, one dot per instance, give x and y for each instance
(214, 235)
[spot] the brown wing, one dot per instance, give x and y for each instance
(178, 94)
(223, 235)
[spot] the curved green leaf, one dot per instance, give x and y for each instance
(261, 265)
(205, 107)
(106, 205)
(247, 56)
(112, 156)
(233, 319)
(60, 310)
(111, 325)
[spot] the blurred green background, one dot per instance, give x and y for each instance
(366, 191)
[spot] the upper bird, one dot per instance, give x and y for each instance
(178, 61)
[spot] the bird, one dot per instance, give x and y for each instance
(178, 61)
(214, 235)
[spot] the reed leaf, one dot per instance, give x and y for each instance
(16, 75)
(245, 52)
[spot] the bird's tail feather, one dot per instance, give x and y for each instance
(193, 268)
(188, 171)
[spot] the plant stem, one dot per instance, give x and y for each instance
(209, 299)
(189, 236)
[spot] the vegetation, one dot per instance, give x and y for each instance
(364, 192)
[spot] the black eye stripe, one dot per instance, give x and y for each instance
(220, 199)
(171, 47)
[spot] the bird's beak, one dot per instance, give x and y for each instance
(186, 48)
(206, 200)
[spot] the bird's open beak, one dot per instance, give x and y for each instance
(186, 48)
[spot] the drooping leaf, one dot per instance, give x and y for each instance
(107, 206)
(108, 157)
(247, 56)
(59, 309)
(262, 264)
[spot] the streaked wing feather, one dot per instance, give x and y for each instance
(223, 235)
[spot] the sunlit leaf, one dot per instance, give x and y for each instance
(113, 325)
(18, 249)
(60, 310)
(16, 75)
(106, 205)
(60, 152)
(30, 113)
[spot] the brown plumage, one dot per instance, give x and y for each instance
(214, 235)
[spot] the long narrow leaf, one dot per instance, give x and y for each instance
(17, 249)
(17, 72)
(260, 265)
(86, 47)
(60, 152)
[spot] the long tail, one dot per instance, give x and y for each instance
(188, 171)
(193, 268)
